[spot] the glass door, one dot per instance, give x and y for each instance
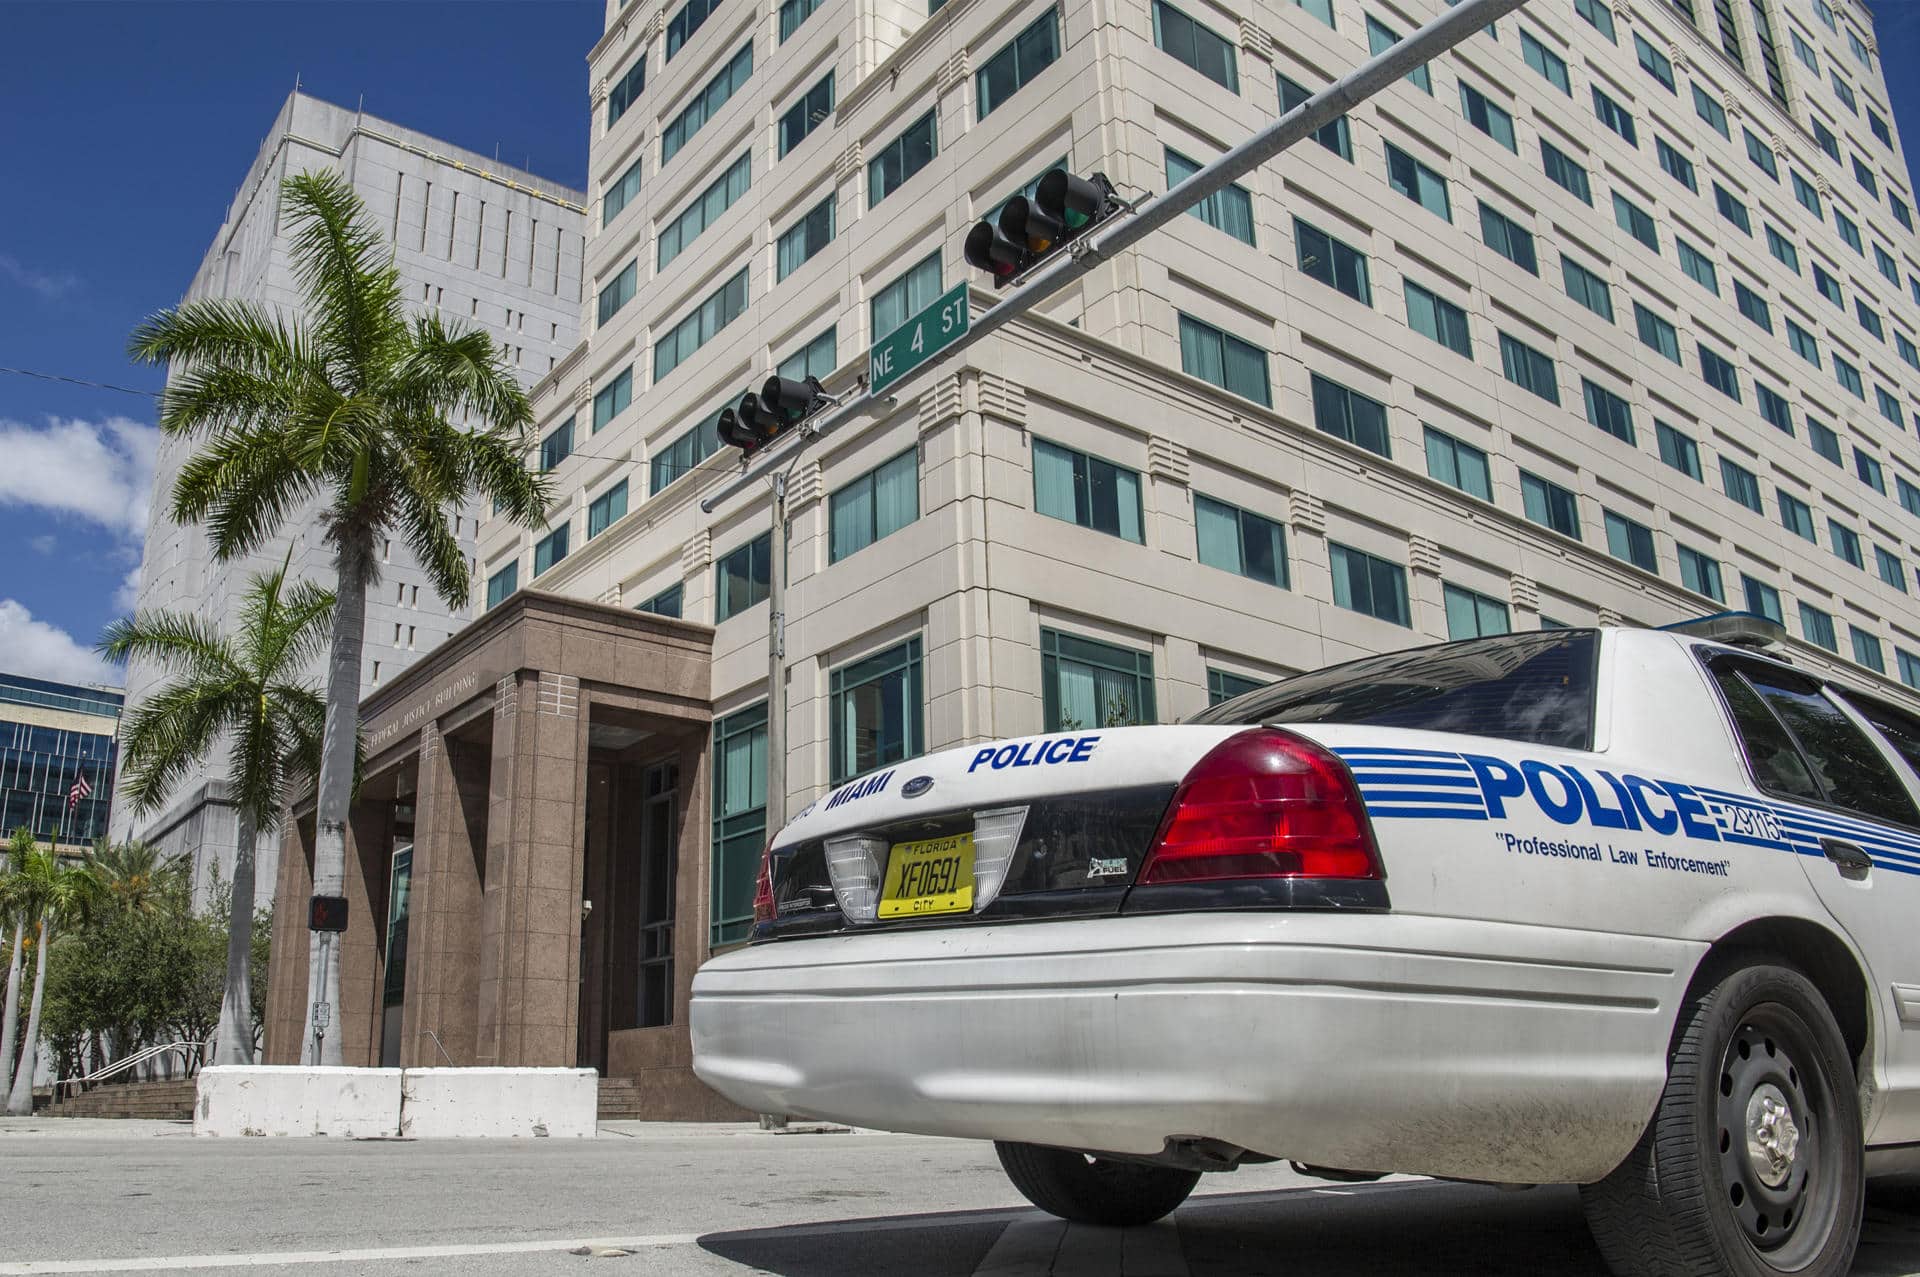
(394, 991)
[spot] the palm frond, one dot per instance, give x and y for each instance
(346, 269)
(226, 331)
(498, 471)
(453, 371)
(302, 714)
(327, 436)
(213, 399)
(178, 640)
(254, 780)
(242, 485)
(424, 526)
(172, 731)
(307, 622)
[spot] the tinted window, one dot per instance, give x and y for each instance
(1527, 687)
(1777, 765)
(1845, 763)
(1901, 730)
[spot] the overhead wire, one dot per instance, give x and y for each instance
(81, 381)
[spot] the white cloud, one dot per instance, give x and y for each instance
(102, 473)
(39, 650)
(42, 544)
(50, 285)
(127, 597)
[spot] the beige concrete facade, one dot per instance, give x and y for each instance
(981, 575)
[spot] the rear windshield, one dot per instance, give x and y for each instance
(1534, 687)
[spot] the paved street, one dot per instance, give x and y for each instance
(79, 1196)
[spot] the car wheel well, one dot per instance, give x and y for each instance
(1818, 953)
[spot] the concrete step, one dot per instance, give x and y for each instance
(619, 1100)
(168, 1099)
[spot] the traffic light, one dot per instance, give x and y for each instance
(761, 417)
(1029, 230)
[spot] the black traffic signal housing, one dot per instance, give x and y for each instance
(761, 417)
(1062, 208)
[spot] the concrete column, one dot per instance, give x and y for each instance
(287, 964)
(443, 944)
(362, 948)
(530, 938)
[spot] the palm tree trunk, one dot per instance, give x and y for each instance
(10, 1021)
(334, 793)
(20, 1099)
(233, 1042)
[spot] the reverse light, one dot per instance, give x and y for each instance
(1264, 803)
(854, 865)
(857, 862)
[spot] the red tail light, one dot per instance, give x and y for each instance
(1264, 804)
(763, 907)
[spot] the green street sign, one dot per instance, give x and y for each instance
(919, 339)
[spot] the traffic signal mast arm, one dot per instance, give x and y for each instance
(1453, 27)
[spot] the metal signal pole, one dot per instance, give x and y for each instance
(1455, 26)
(777, 658)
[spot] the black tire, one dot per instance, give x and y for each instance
(1094, 1190)
(1720, 1185)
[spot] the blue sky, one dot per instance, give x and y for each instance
(128, 127)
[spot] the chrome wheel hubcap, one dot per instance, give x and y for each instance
(1773, 1137)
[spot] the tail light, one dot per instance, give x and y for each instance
(1264, 803)
(763, 906)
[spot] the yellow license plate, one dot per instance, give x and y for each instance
(933, 875)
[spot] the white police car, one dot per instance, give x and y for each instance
(1627, 909)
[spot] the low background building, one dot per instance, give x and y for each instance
(51, 736)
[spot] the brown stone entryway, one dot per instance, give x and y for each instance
(527, 859)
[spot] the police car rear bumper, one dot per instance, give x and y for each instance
(1364, 1042)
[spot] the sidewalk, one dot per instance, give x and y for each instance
(134, 1128)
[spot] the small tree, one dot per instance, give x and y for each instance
(141, 970)
(53, 894)
(135, 877)
(245, 687)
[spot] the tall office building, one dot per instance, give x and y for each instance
(57, 746)
(1607, 315)
(486, 245)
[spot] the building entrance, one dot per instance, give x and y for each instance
(393, 993)
(628, 903)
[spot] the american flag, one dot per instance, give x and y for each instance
(80, 789)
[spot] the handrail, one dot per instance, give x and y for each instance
(187, 1048)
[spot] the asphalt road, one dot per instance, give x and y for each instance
(644, 1199)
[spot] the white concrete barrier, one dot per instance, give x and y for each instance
(246, 1099)
(463, 1103)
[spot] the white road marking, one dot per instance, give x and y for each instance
(1159, 1255)
(260, 1259)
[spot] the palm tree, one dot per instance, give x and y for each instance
(351, 405)
(51, 893)
(19, 847)
(248, 689)
(135, 876)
